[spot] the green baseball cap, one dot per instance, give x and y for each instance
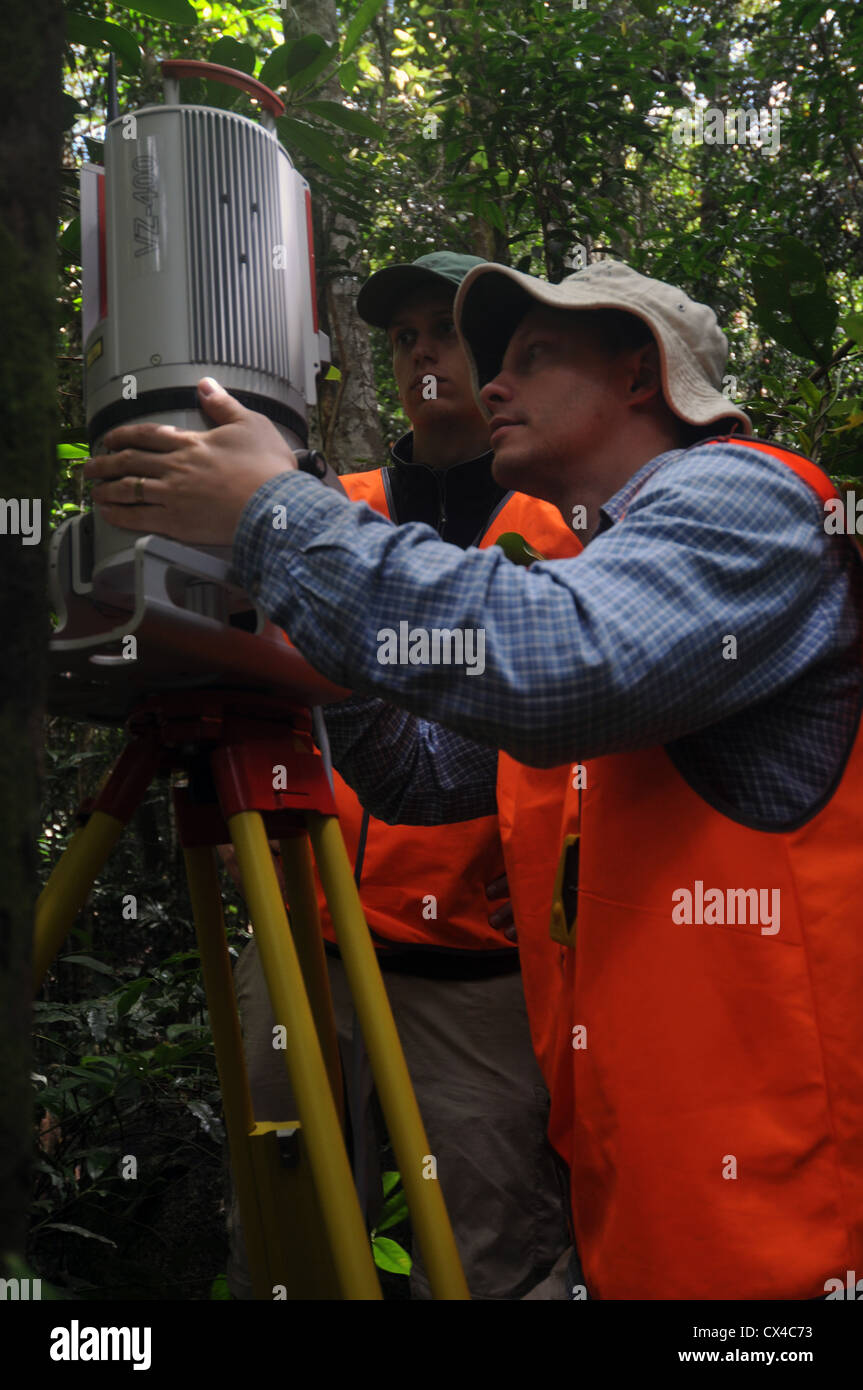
(381, 294)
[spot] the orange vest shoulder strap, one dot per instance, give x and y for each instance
(367, 487)
(538, 521)
(805, 469)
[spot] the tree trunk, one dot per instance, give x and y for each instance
(30, 157)
(348, 425)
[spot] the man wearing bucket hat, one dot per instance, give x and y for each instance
(699, 664)
(448, 955)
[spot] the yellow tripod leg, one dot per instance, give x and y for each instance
(306, 930)
(236, 1101)
(407, 1133)
(69, 886)
(278, 1204)
(345, 1231)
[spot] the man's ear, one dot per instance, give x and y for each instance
(644, 374)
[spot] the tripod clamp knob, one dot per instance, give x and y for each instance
(312, 461)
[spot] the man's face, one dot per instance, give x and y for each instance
(425, 344)
(555, 399)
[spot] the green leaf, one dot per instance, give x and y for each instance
(808, 15)
(359, 24)
(305, 78)
(297, 135)
(72, 451)
(292, 58)
(94, 32)
(203, 1113)
(70, 241)
(176, 1030)
(492, 214)
(793, 303)
(71, 110)
(854, 422)
(55, 1013)
(852, 327)
(272, 72)
(389, 1255)
(810, 393)
(90, 964)
(98, 1161)
(395, 1210)
(840, 408)
(233, 54)
(349, 76)
(76, 1231)
(131, 994)
(99, 1067)
(774, 386)
(171, 11)
(390, 1180)
(333, 374)
(219, 1287)
(343, 116)
(516, 548)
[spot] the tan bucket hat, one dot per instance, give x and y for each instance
(693, 349)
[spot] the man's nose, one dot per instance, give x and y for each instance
(498, 389)
(425, 348)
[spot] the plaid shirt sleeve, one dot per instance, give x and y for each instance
(621, 648)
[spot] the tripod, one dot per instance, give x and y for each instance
(250, 771)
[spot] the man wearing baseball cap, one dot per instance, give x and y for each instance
(700, 666)
(432, 896)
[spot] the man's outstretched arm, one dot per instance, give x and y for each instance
(619, 648)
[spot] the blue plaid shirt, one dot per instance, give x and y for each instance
(710, 613)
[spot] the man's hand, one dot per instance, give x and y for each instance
(502, 919)
(188, 484)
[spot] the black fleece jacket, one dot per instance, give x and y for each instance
(458, 501)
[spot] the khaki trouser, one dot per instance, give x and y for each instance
(485, 1110)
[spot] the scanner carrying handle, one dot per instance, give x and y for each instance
(175, 68)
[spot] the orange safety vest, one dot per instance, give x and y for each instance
(528, 806)
(707, 1090)
(412, 872)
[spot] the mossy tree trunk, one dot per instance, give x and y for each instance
(30, 154)
(348, 422)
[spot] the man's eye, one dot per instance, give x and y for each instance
(404, 338)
